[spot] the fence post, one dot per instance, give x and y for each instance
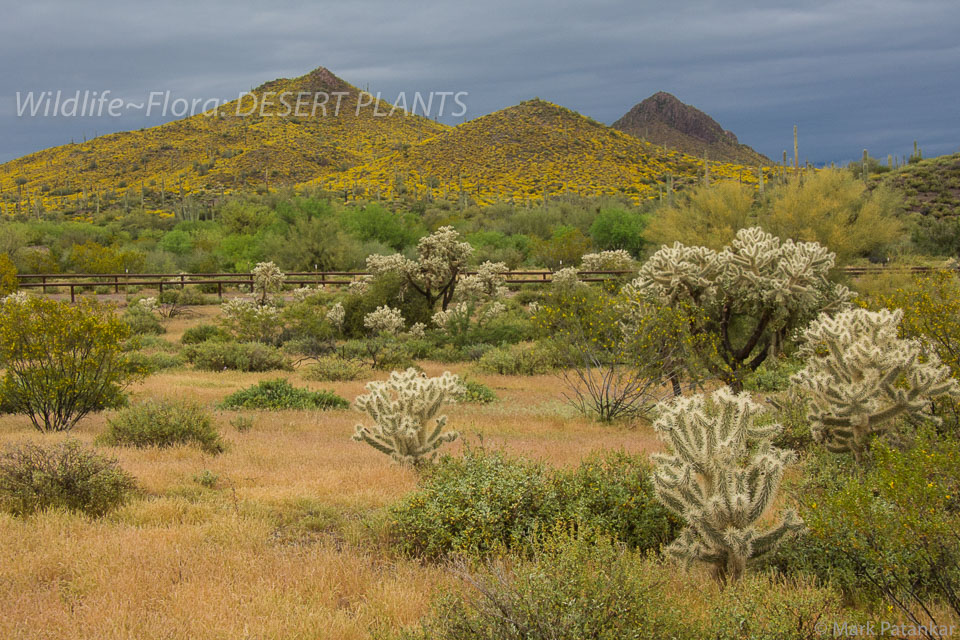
(116, 284)
(43, 279)
(160, 284)
(181, 281)
(73, 297)
(220, 291)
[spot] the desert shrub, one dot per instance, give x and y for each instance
(772, 375)
(577, 586)
(336, 369)
(63, 361)
(249, 321)
(280, 394)
(149, 363)
(142, 319)
(502, 329)
(486, 502)
(203, 332)
(241, 423)
(189, 296)
(382, 352)
(518, 360)
(66, 475)
(477, 393)
(238, 356)
(8, 275)
(388, 289)
(163, 423)
(885, 530)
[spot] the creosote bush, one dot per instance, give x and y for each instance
(163, 423)
(66, 475)
(8, 275)
(336, 369)
(404, 411)
(203, 332)
(63, 361)
(488, 502)
(280, 394)
(214, 355)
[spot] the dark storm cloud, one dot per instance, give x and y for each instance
(852, 74)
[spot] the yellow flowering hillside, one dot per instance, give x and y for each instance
(214, 152)
(522, 152)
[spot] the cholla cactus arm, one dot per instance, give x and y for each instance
(861, 376)
(721, 475)
(402, 408)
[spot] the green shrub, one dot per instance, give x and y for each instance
(63, 361)
(518, 360)
(241, 423)
(485, 502)
(382, 352)
(477, 393)
(163, 423)
(336, 369)
(191, 295)
(65, 475)
(142, 322)
(153, 362)
(887, 532)
(280, 394)
(239, 356)
(204, 332)
(388, 289)
(583, 586)
(772, 375)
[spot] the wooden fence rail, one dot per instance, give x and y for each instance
(81, 281)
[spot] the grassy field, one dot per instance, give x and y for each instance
(286, 544)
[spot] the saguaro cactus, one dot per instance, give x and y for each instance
(721, 476)
(860, 376)
(402, 408)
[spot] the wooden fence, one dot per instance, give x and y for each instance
(161, 281)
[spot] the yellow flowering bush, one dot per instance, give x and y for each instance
(63, 361)
(8, 275)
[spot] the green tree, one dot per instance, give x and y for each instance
(616, 228)
(705, 216)
(63, 361)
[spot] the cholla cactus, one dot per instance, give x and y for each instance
(860, 377)
(148, 305)
(721, 476)
(417, 330)
(361, 286)
(488, 282)
(759, 287)
(402, 409)
(336, 316)
(618, 260)
(384, 320)
(248, 320)
(15, 298)
(566, 279)
(440, 259)
(267, 279)
(302, 293)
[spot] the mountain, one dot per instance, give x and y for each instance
(662, 119)
(221, 151)
(929, 187)
(520, 153)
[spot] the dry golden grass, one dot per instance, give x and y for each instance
(286, 545)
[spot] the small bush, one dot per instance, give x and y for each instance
(279, 394)
(772, 375)
(163, 423)
(518, 360)
(241, 423)
(142, 322)
(336, 369)
(65, 475)
(204, 332)
(477, 393)
(486, 502)
(153, 362)
(238, 356)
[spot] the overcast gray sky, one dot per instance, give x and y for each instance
(853, 74)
